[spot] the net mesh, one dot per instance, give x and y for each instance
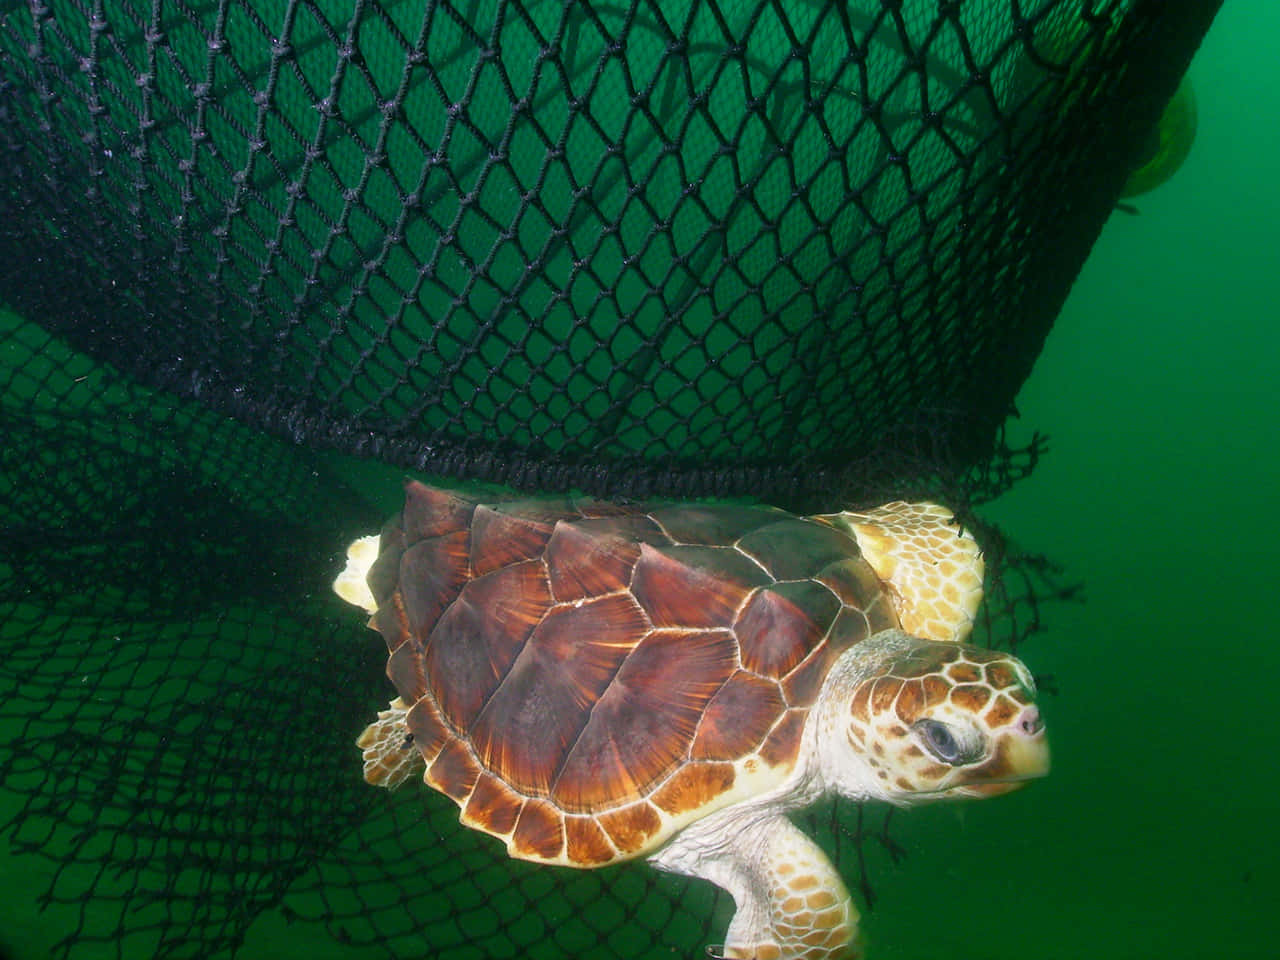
(797, 251)
(692, 247)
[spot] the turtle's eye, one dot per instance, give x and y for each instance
(945, 742)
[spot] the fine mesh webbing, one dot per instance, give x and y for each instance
(180, 694)
(795, 251)
(664, 247)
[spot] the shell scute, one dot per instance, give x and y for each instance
(404, 670)
(384, 572)
(390, 621)
(696, 587)
(527, 726)
(539, 833)
(430, 733)
(432, 572)
(712, 525)
(643, 724)
(454, 771)
(783, 743)
(792, 548)
(591, 508)
(737, 718)
(434, 512)
(538, 511)
(631, 827)
(590, 640)
(582, 564)
(801, 685)
(694, 786)
(781, 623)
(633, 527)
(500, 538)
(492, 806)
(586, 843)
(857, 586)
(474, 643)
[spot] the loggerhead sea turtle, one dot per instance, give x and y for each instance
(592, 682)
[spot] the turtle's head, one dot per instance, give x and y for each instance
(906, 720)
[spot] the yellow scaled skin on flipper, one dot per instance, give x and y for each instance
(932, 566)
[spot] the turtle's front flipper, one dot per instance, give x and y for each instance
(932, 567)
(791, 902)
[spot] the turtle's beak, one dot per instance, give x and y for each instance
(1028, 757)
(1021, 753)
(1025, 746)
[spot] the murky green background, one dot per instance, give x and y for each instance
(1158, 833)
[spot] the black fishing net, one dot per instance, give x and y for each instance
(789, 250)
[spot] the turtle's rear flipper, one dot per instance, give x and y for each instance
(390, 757)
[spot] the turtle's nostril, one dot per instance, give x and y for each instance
(1031, 722)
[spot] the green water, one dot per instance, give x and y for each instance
(1157, 834)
